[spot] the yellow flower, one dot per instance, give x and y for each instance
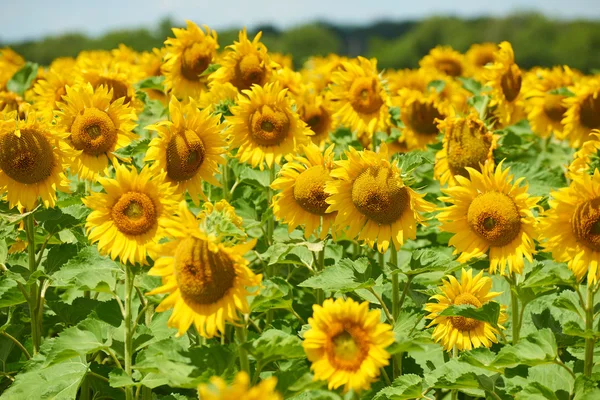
(466, 143)
(244, 64)
(505, 79)
(414, 79)
(264, 128)
(586, 159)
(372, 200)
(490, 215)
(359, 96)
(12, 102)
(189, 54)
(570, 227)
(318, 71)
(218, 389)
(479, 55)
(33, 161)
(130, 215)
(583, 112)
(283, 60)
(10, 62)
(290, 80)
(219, 99)
(346, 344)
(207, 282)
(302, 200)
(464, 333)
(445, 60)
(189, 148)
(49, 90)
(317, 112)
(97, 126)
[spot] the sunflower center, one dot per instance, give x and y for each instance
(194, 61)
(348, 346)
(463, 323)
(422, 116)
(185, 155)
(93, 132)
(119, 88)
(364, 95)
(511, 83)
(249, 70)
(449, 67)
(269, 125)
(585, 223)
(317, 121)
(309, 190)
(494, 217)
(553, 107)
(203, 276)
(28, 159)
(134, 214)
(484, 58)
(468, 146)
(590, 111)
(379, 195)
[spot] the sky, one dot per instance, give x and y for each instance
(31, 19)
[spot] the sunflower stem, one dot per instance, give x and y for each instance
(270, 269)
(128, 350)
(454, 392)
(514, 301)
(242, 334)
(319, 294)
(588, 364)
(33, 290)
(225, 182)
(397, 363)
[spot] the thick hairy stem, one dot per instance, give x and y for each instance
(588, 364)
(128, 351)
(241, 334)
(319, 294)
(33, 290)
(514, 302)
(397, 362)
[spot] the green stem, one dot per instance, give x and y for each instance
(454, 392)
(514, 300)
(33, 290)
(225, 182)
(270, 269)
(241, 334)
(128, 351)
(17, 343)
(319, 294)
(588, 364)
(397, 364)
(84, 389)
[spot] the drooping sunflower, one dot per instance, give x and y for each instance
(490, 214)
(346, 344)
(218, 389)
(97, 126)
(479, 55)
(264, 128)
(302, 199)
(372, 200)
(545, 108)
(317, 112)
(445, 60)
(33, 161)
(570, 228)
(219, 99)
(464, 333)
(583, 111)
(49, 91)
(208, 282)
(587, 158)
(245, 63)
(188, 56)
(466, 143)
(359, 96)
(505, 80)
(189, 148)
(130, 215)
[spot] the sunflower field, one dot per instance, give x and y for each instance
(205, 222)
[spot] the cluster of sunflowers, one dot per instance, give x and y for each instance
(247, 106)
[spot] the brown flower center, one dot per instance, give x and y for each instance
(194, 61)
(494, 217)
(134, 214)
(590, 111)
(511, 83)
(185, 155)
(269, 125)
(449, 67)
(249, 70)
(318, 120)
(309, 190)
(553, 107)
(585, 223)
(463, 323)
(28, 159)
(93, 132)
(364, 95)
(119, 88)
(422, 116)
(468, 145)
(347, 347)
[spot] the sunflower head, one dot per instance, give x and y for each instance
(583, 111)
(220, 221)
(219, 98)
(481, 54)
(317, 112)
(446, 60)
(50, 90)
(12, 102)
(587, 159)
(218, 389)
(10, 62)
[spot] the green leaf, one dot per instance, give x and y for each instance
(471, 85)
(489, 312)
(135, 148)
(211, 68)
(119, 378)
(562, 91)
(275, 294)
(88, 271)
(479, 103)
(3, 251)
(538, 348)
(273, 345)
(10, 295)
(23, 78)
(154, 82)
(437, 85)
(345, 276)
(586, 388)
(407, 386)
(316, 395)
(255, 177)
(430, 260)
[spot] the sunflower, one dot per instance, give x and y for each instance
(264, 128)
(445, 60)
(545, 108)
(317, 112)
(587, 158)
(245, 63)
(12, 102)
(372, 200)
(130, 215)
(290, 80)
(283, 60)
(189, 54)
(97, 126)
(10, 62)
(479, 55)
(419, 113)
(464, 333)
(318, 71)
(189, 148)
(346, 344)
(219, 99)
(415, 79)
(505, 79)
(583, 111)
(33, 161)
(207, 282)
(570, 227)
(466, 143)
(360, 98)
(302, 199)
(49, 91)
(218, 389)
(490, 215)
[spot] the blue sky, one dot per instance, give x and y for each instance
(30, 19)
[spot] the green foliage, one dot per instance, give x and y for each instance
(23, 78)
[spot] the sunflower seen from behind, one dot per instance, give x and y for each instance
(130, 214)
(189, 148)
(96, 125)
(462, 332)
(264, 127)
(372, 201)
(219, 98)
(302, 198)
(490, 214)
(239, 389)
(583, 111)
(207, 281)
(346, 344)
(33, 161)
